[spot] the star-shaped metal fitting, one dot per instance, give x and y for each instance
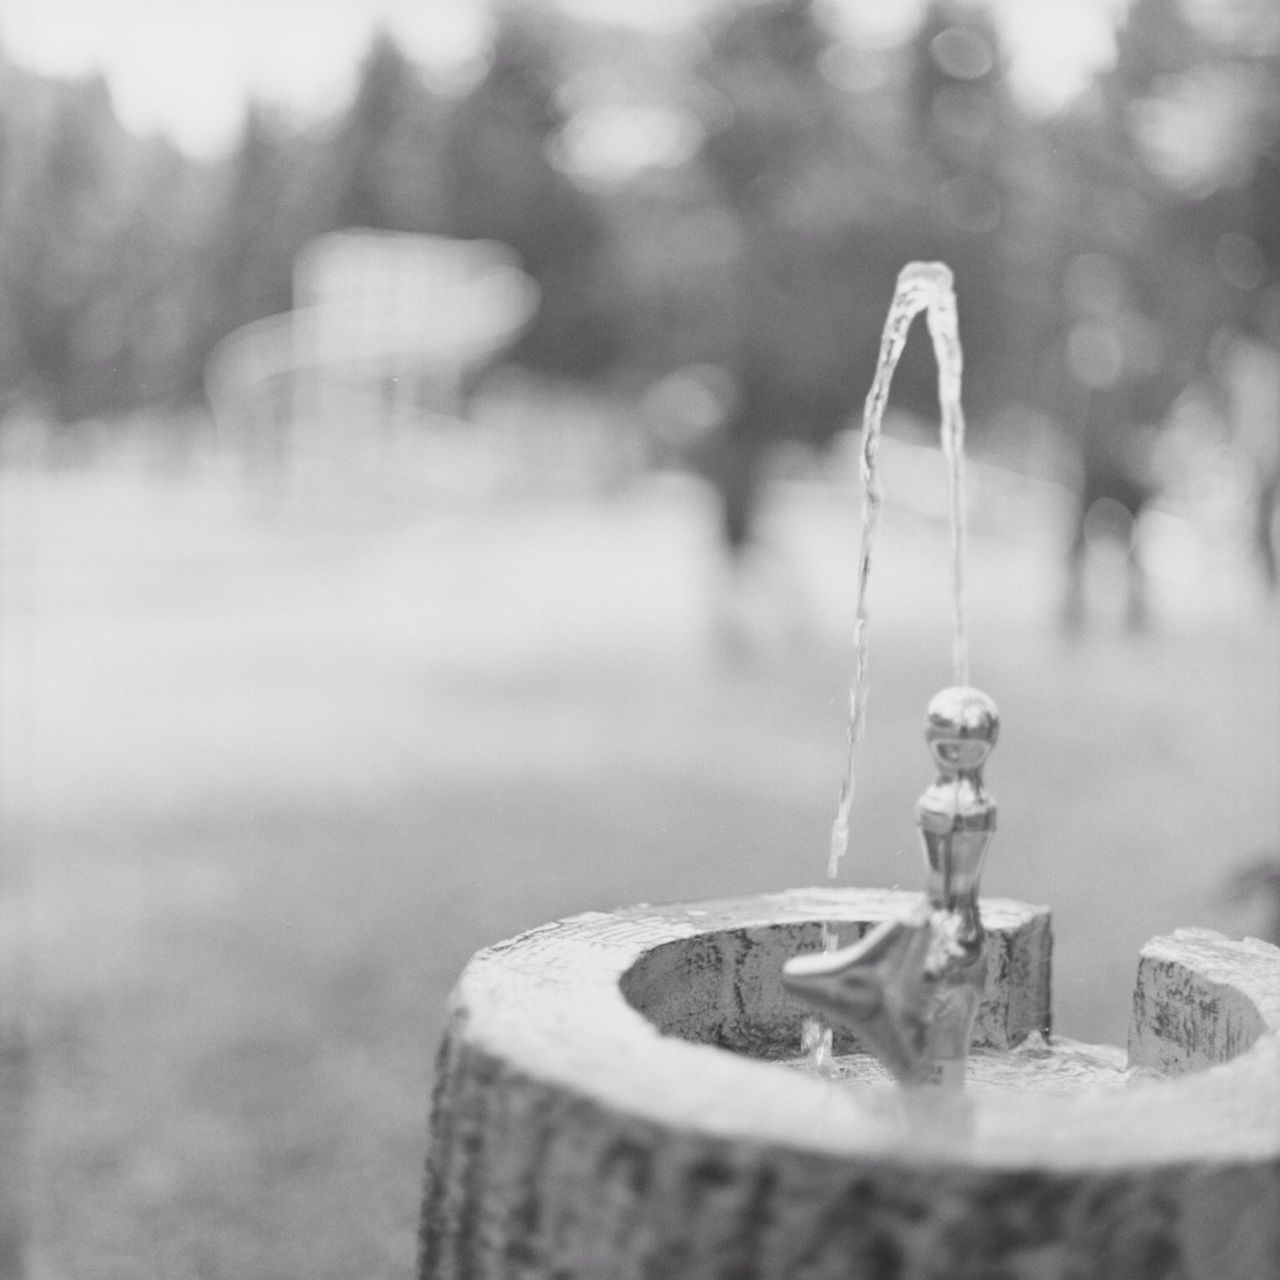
(876, 989)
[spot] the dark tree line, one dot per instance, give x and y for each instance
(1093, 274)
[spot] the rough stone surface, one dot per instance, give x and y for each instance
(1202, 999)
(725, 987)
(579, 1132)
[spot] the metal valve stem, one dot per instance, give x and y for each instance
(910, 989)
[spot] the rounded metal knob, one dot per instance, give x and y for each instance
(961, 726)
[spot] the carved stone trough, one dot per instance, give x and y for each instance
(614, 1099)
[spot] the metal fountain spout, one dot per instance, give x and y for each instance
(910, 989)
(957, 819)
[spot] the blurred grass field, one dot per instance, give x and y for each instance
(270, 780)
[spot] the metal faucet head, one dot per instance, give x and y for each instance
(875, 989)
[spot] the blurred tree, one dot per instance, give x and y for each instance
(60, 211)
(779, 159)
(259, 224)
(154, 266)
(98, 239)
(1194, 93)
(384, 166)
(15, 368)
(823, 193)
(503, 185)
(969, 147)
(1159, 188)
(1104, 360)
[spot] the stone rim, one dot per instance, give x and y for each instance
(552, 1004)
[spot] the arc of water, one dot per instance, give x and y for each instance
(944, 332)
(928, 287)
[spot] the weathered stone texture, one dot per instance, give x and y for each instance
(581, 1135)
(1202, 999)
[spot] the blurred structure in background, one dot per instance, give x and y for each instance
(387, 333)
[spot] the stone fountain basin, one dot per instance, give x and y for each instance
(613, 1099)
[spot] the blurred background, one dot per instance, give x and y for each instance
(428, 442)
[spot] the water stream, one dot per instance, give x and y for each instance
(927, 287)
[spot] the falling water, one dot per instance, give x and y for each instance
(922, 286)
(928, 287)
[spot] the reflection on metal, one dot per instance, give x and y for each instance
(910, 989)
(957, 819)
(876, 989)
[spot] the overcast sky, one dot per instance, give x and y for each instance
(186, 67)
